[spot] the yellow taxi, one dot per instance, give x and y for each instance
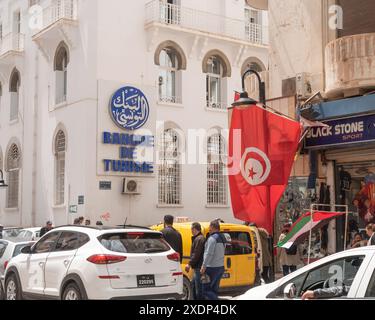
(241, 256)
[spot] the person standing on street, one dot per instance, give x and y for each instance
(266, 255)
(370, 230)
(290, 258)
(1, 231)
(172, 236)
(196, 259)
(213, 262)
(48, 227)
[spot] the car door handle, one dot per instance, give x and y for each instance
(229, 263)
(41, 264)
(66, 262)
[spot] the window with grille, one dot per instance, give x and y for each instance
(216, 177)
(13, 170)
(169, 77)
(61, 70)
(169, 169)
(60, 147)
(214, 81)
(14, 89)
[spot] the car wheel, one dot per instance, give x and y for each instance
(187, 290)
(72, 292)
(12, 288)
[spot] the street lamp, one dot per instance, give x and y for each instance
(244, 96)
(2, 182)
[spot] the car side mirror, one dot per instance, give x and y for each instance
(26, 250)
(290, 291)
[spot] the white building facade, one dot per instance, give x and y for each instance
(82, 80)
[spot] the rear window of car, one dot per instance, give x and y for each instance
(134, 242)
(17, 249)
(239, 244)
(3, 247)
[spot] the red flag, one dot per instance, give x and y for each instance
(262, 149)
(237, 96)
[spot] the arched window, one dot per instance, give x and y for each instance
(217, 67)
(171, 60)
(61, 71)
(216, 179)
(214, 83)
(13, 171)
(168, 77)
(14, 88)
(60, 148)
(169, 168)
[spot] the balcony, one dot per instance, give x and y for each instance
(161, 14)
(350, 65)
(12, 45)
(59, 20)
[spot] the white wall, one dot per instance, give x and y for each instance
(110, 48)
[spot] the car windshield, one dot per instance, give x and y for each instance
(11, 233)
(134, 242)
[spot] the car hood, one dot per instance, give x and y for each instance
(259, 293)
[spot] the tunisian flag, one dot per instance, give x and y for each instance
(262, 149)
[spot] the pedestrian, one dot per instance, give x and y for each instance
(81, 220)
(213, 262)
(266, 255)
(370, 230)
(290, 258)
(87, 223)
(48, 227)
(172, 236)
(196, 259)
(76, 222)
(1, 231)
(357, 241)
(99, 223)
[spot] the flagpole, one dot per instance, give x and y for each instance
(346, 225)
(310, 236)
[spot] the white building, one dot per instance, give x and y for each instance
(61, 62)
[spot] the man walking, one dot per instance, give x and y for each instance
(46, 229)
(213, 262)
(196, 259)
(370, 232)
(172, 236)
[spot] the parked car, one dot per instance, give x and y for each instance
(78, 263)
(29, 234)
(353, 268)
(11, 233)
(8, 250)
(241, 256)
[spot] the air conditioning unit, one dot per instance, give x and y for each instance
(303, 85)
(131, 186)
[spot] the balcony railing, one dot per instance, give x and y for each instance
(158, 11)
(58, 10)
(12, 42)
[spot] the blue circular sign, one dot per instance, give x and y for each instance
(129, 108)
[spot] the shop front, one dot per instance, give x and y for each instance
(345, 161)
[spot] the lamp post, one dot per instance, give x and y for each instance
(243, 101)
(2, 182)
(244, 96)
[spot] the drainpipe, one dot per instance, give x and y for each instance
(35, 140)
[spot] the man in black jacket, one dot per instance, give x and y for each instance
(46, 229)
(172, 236)
(196, 259)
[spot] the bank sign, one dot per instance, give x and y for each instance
(342, 131)
(129, 110)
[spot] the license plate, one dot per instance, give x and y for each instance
(226, 276)
(146, 281)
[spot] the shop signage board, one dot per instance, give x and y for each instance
(342, 131)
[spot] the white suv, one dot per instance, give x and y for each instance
(77, 263)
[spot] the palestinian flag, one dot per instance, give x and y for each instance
(301, 228)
